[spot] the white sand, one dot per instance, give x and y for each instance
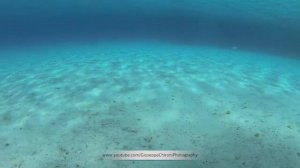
(65, 106)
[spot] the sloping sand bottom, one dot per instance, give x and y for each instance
(66, 106)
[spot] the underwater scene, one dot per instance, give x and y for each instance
(149, 83)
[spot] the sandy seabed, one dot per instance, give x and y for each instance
(67, 105)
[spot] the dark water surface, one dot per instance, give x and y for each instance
(269, 25)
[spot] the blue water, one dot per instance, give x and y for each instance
(80, 79)
(269, 25)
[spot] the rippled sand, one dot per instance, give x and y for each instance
(65, 106)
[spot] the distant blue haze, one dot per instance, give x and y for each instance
(268, 25)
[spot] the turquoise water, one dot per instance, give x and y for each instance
(81, 79)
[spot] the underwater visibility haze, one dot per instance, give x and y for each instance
(80, 79)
